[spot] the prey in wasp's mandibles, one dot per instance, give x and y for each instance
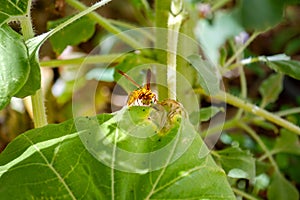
(143, 94)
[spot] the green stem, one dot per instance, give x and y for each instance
(38, 108)
(175, 19)
(277, 57)
(243, 194)
(126, 25)
(253, 134)
(162, 8)
(243, 80)
(235, 101)
(110, 58)
(37, 100)
(264, 156)
(288, 112)
(106, 25)
(241, 49)
(247, 61)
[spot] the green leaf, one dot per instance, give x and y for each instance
(271, 88)
(207, 74)
(287, 67)
(260, 14)
(68, 169)
(262, 181)
(288, 142)
(14, 64)
(293, 46)
(213, 35)
(281, 189)
(237, 162)
(66, 36)
(205, 114)
(13, 8)
(34, 82)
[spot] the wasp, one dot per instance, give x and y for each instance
(143, 94)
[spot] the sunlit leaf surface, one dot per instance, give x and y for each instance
(81, 159)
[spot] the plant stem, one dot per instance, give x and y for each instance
(278, 57)
(288, 112)
(106, 25)
(264, 156)
(243, 194)
(110, 58)
(176, 16)
(162, 8)
(241, 49)
(37, 100)
(126, 25)
(253, 134)
(235, 101)
(38, 108)
(243, 80)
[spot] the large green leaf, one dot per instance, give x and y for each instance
(13, 8)
(288, 67)
(83, 159)
(66, 36)
(14, 64)
(271, 88)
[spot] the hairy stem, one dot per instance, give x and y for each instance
(237, 102)
(37, 100)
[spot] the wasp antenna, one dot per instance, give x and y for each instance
(128, 78)
(148, 79)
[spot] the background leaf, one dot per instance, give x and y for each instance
(267, 13)
(204, 114)
(12, 8)
(207, 74)
(271, 88)
(73, 34)
(14, 64)
(281, 189)
(288, 142)
(212, 35)
(67, 170)
(288, 67)
(235, 158)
